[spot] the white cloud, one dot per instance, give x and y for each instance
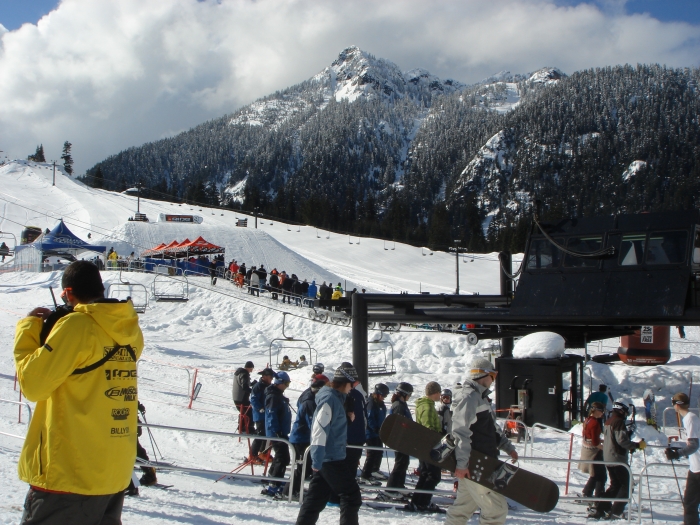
(109, 74)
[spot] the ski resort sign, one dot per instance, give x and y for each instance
(193, 219)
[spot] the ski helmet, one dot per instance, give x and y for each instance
(318, 368)
(617, 405)
(381, 389)
(282, 377)
(446, 392)
(405, 388)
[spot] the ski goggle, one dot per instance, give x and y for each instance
(491, 373)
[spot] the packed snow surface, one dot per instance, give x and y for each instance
(546, 345)
(220, 327)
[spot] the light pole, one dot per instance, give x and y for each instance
(54, 173)
(457, 250)
(255, 212)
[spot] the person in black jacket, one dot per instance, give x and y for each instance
(274, 285)
(262, 274)
(301, 433)
(257, 404)
(241, 395)
(323, 293)
(376, 413)
(278, 423)
(397, 478)
(297, 289)
(287, 289)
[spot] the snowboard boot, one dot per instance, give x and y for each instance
(149, 477)
(380, 476)
(132, 491)
(271, 491)
(431, 508)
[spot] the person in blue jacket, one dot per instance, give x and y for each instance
(278, 423)
(301, 432)
(376, 413)
(257, 404)
(328, 448)
(355, 406)
(397, 478)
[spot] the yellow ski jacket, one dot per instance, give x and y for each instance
(82, 436)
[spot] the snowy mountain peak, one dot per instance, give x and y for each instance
(546, 75)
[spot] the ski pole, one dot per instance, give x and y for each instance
(651, 507)
(154, 445)
(677, 482)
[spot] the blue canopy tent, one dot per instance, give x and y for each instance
(59, 242)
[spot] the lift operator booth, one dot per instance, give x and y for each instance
(584, 279)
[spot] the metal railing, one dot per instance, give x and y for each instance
(671, 409)
(650, 499)
(21, 403)
(629, 499)
(362, 447)
(292, 455)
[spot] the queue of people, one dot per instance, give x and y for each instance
(256, 279)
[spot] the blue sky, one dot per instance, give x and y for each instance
(110, 74)
(14, 13)
(663, 10)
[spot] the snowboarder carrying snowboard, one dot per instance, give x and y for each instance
(592, 450)
(691, 423)
(474, 426)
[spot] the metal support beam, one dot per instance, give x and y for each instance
(359, 338)
(506, 260)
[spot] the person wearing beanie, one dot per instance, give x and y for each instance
(376, 414)
(241, 395)
(278, 423)
(66, 378)
(592, 450)
(397, 476)
(257, 404)
(328, 452)
(430, 474)
(691, 423)
(474, 427)
(301, 433)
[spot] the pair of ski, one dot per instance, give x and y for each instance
(526, 488)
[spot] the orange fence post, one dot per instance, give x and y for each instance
(194, 384)
(568, 468)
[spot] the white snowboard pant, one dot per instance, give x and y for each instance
(472, 496)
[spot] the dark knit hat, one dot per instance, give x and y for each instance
(432, 388)
(345, 373)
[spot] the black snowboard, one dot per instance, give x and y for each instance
(531, 490)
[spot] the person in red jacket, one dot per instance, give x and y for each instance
(592, 450)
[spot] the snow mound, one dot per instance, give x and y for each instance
(546, 345)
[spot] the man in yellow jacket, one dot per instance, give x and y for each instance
(81, 444)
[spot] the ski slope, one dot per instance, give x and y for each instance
(221, 327)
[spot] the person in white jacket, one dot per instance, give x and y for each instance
(474, 427)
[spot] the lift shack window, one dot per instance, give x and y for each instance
(632, 249)
(588, 244)
(543, 254)
(667, 247)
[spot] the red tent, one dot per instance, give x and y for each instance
(153, 251)
(186, 248)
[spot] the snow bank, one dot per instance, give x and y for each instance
(541, 344)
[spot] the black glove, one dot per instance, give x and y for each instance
(142, 408)
(672, 453)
